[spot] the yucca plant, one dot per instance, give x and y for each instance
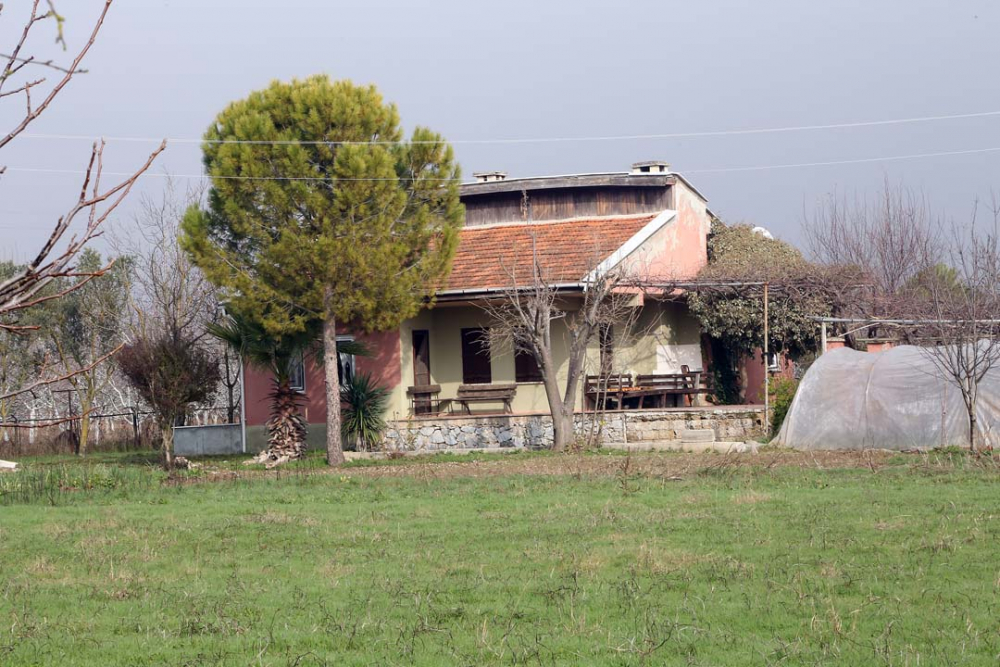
(364, 403)
(286, 429)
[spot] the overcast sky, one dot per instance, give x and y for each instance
(496, 70)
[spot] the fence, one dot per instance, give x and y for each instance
(133, 429)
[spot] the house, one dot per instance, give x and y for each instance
(575, 224)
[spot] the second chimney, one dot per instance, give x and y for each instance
(489, 176)
(653, 167)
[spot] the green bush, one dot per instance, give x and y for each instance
(364, 406)
(782, 393)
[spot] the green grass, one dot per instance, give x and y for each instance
(728, 567)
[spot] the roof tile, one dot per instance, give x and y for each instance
(497, 256)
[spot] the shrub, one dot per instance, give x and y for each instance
(364, 404)
(169, 374)
(782, 393)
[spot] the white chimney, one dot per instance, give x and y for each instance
(653, 167)
(489, 176)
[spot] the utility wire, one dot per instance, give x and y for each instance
(797, 165)
(543, 140)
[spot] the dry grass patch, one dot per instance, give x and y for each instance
(751, 497)
(270, 517)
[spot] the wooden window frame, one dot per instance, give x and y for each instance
(526, 368)
(483, 374)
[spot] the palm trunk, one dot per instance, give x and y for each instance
(331, 369)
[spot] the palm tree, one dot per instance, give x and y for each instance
(286, 428)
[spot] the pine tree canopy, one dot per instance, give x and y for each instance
(333, 199)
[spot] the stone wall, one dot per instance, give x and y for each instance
(730, 424)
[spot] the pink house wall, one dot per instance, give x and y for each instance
(880, 346)
(383, 364)
(755, 375)
(679, 250)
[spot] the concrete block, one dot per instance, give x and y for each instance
(698, 435)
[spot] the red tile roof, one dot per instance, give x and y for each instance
(567, 251)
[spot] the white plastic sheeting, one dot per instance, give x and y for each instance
(897, 399)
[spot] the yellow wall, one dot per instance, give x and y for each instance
(664, 338)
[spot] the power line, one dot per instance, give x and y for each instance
(830, 163)
(797, 165)
(544, 140)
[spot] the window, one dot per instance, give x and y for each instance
(476, 357)
(526, 367)
(345, 368)
(297, 373)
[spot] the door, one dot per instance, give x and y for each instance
(421, 369)
(421, 357)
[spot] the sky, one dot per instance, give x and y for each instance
(477, 71)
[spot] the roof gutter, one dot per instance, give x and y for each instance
(460, 294)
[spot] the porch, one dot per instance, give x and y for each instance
(449, 369)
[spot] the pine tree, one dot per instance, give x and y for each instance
(327, 212)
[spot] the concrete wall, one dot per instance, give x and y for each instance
(729, 424)
(208, 440)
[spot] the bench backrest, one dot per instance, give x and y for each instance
(424, 390)
(670, 380)
(612, 383)
(485, 391)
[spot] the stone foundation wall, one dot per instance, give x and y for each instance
(730, 424)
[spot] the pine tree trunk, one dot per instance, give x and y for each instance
(331, 368)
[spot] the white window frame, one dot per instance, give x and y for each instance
(299, 362)
(346, 362)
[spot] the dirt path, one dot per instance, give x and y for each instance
(673, 465)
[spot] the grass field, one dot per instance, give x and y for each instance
(780, 559)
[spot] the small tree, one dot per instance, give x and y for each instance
(170, 374)
(319, 208)
(522, 319)
(960, 312)
(85, 328)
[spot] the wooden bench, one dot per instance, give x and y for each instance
(600, 389)
(659, 386)
(424, 400)
(486, 393)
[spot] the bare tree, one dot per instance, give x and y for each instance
(172, 305)
(84, 329)
(169, 293)
(524, 318)
(960, 307)
(873, 249)
(30, 284)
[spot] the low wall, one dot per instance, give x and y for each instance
(730, 424)
(208, 440)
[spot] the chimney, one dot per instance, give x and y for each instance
(652, 167)
(489, 176)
